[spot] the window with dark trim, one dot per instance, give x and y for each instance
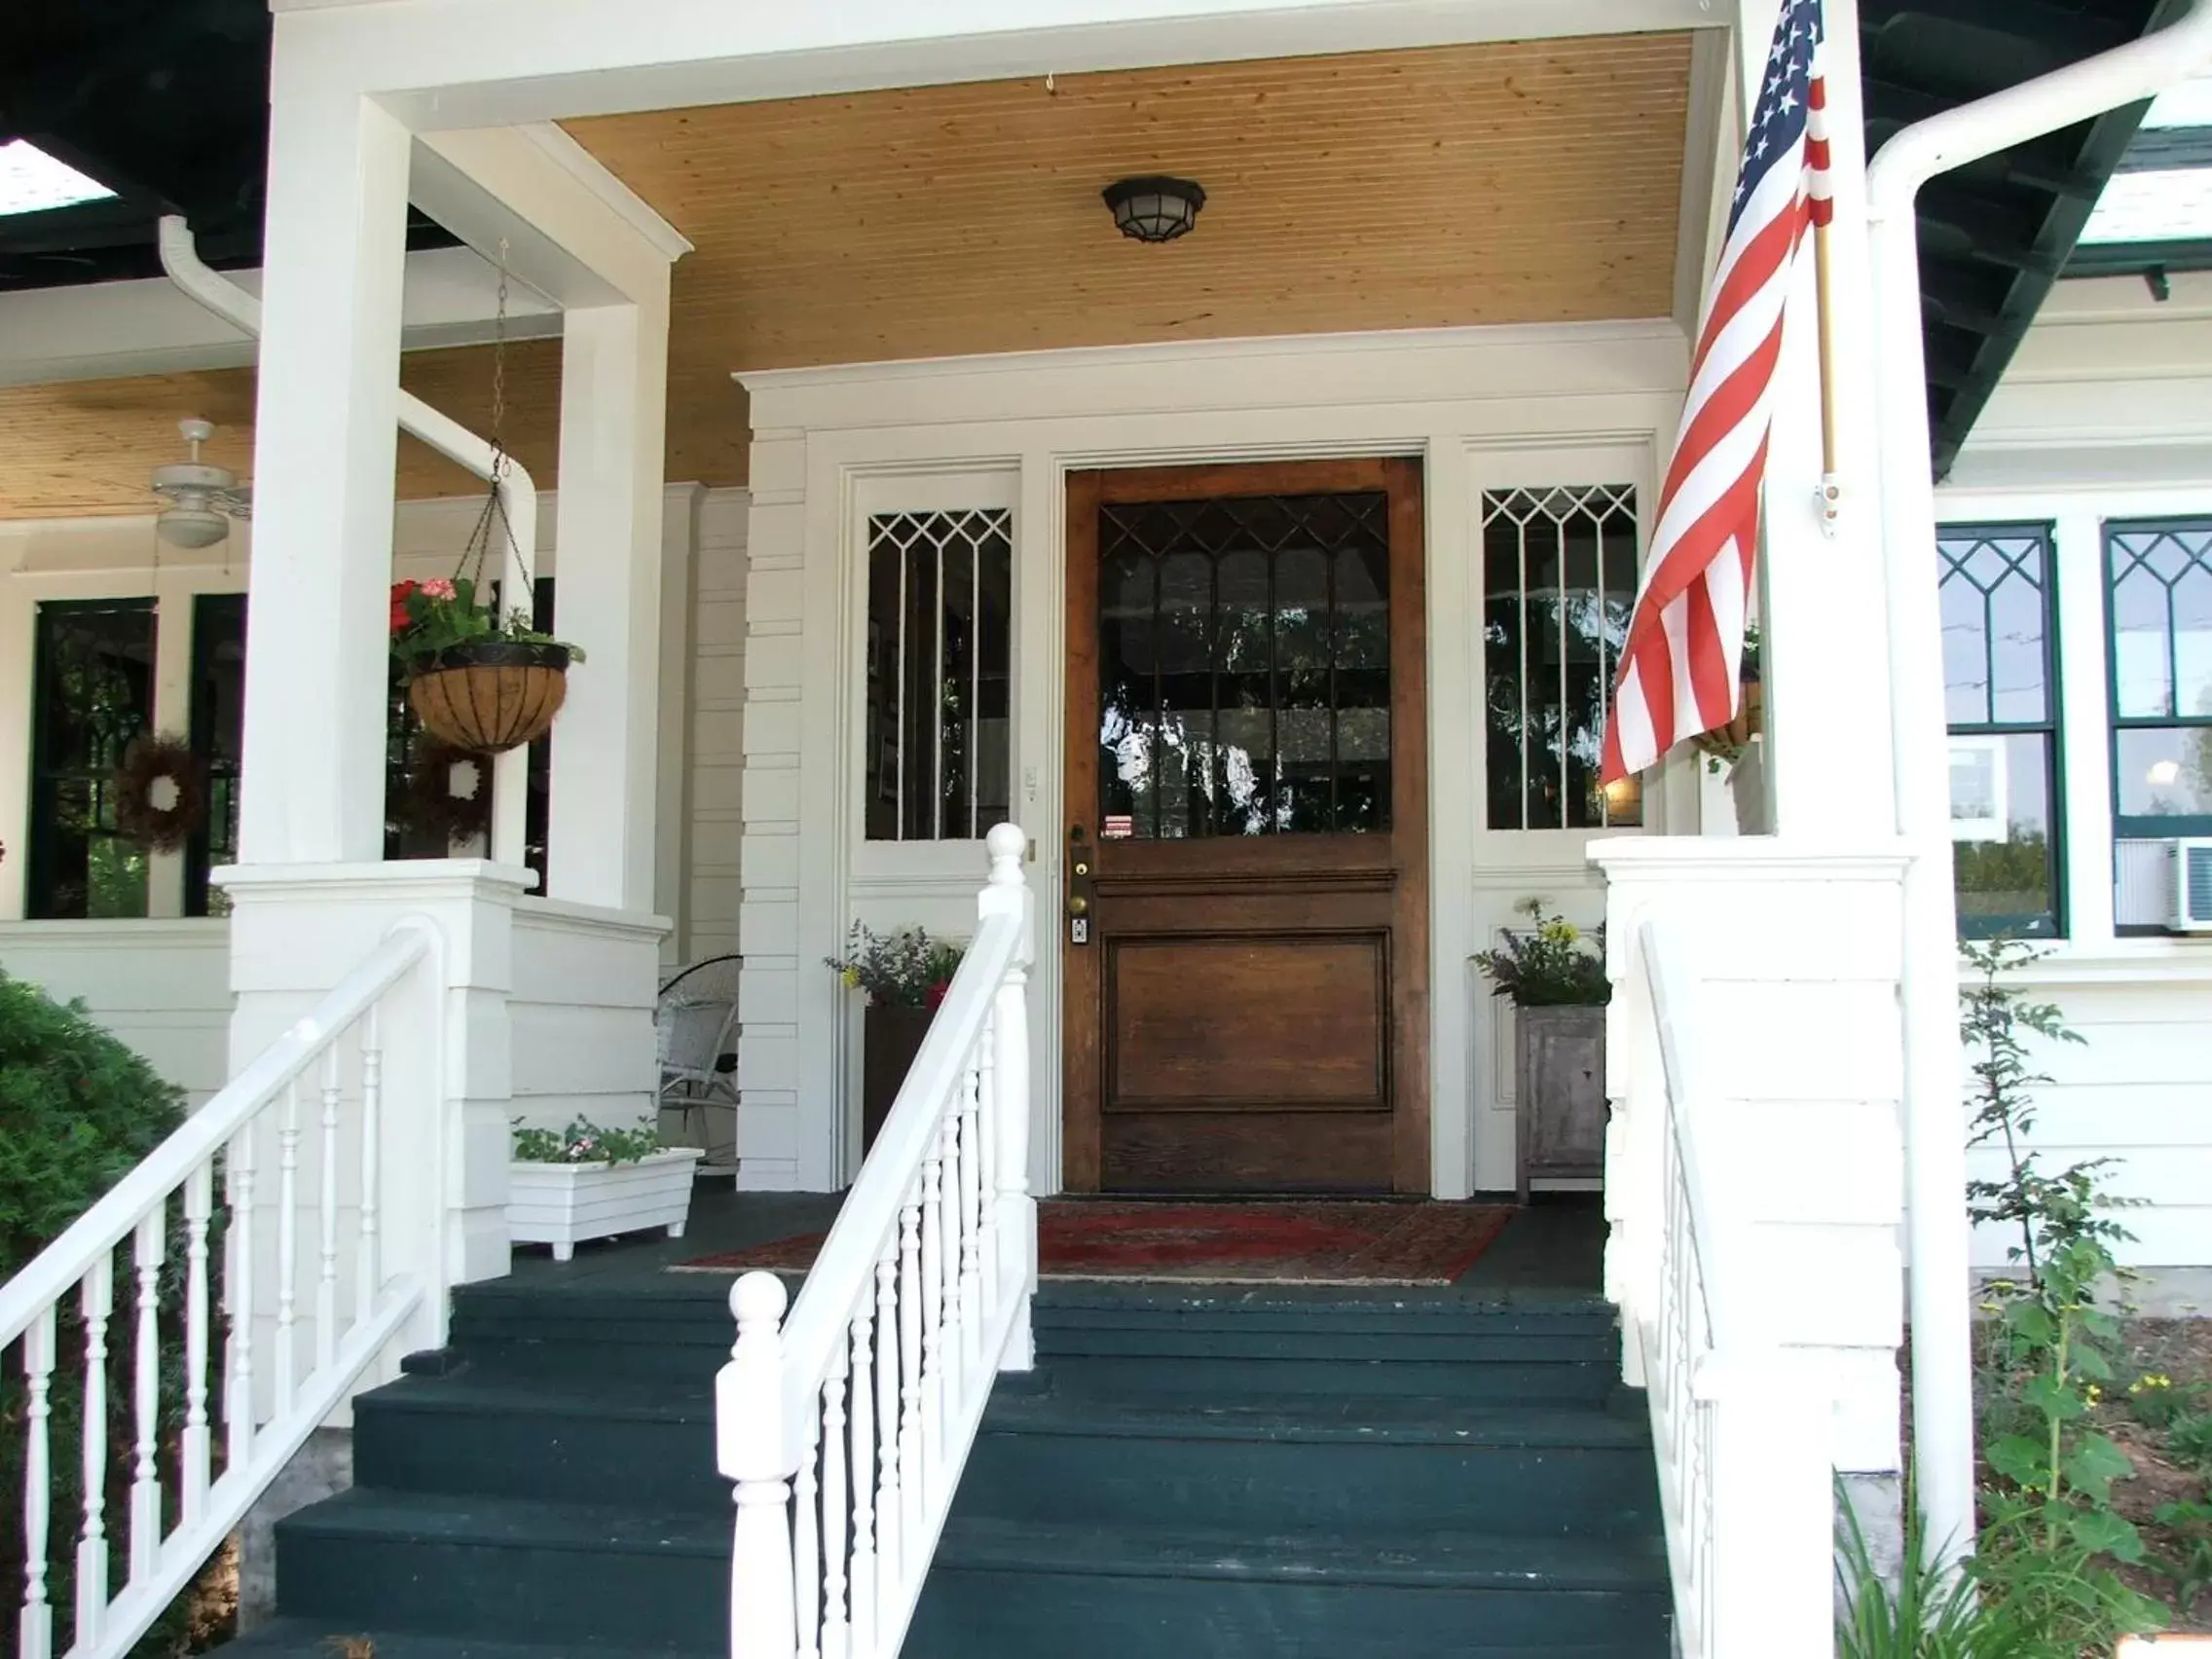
(2000, 707)
(2158, 614)
(218, 726)
(93, 691)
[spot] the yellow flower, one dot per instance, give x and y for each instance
(1559, 933)
(852, 978)
(2095, 1393)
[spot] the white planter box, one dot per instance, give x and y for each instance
(562, 1204)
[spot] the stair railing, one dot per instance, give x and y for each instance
(1746, 1480)
(227, 1240)
(845, 1428)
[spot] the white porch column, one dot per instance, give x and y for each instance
(325, 444)
(601, 840)
(1824, 601)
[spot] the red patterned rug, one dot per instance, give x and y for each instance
(1220, 1243)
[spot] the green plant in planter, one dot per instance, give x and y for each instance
(904, 969)
(586, 1142)
(1548, 964)
(442, 614)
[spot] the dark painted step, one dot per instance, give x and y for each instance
(681, 1334)
(1062, 1591)
(305, 1639)
(506, 1435)
(1389, 1463)
(511, 1569)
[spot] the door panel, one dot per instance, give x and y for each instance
(1247, 977)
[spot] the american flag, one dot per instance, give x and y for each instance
(1680, 664)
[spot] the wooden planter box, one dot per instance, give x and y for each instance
(890, 1039)
(1559, 1091)
(563, 1205)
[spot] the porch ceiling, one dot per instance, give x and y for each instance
(1514, 182)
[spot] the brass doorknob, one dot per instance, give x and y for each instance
(1079, 905)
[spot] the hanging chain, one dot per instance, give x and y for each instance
(500, 372)
(479, 544)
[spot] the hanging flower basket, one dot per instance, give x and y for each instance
(480, 682)
(491, 696)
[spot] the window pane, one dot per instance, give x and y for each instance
(2193, 641)
(1560, 569)
(939, 662)
(2004, 851)
(219, 723)
(2163, 772)
(1270, 616)
(93, 693)
(2162, 617)
(1996, 609)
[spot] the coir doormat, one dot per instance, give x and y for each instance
(1220, 1244)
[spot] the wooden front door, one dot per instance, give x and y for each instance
(1244, 917)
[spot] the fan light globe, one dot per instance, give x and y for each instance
(191, 526)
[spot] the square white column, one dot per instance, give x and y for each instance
(601, 836)
(325, 445)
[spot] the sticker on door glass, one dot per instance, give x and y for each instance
(1119, 827)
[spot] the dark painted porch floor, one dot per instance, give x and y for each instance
(1550, 1251)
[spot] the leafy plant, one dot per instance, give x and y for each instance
(2189, 1440)
(1547, 965)
(2050, 1530)
(440, 614)
(2189, 1569)
(1926, 1613)
(2157, 1403)
(586, 1142)
(905, 969)
(77, 1111)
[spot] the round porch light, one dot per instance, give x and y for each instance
(1155, 210)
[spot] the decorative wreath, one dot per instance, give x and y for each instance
(449, 790)
(160, 793)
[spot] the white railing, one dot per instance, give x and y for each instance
(1745, 1482)
(846, 1428)
(227, 1239)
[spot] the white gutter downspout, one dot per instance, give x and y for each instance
(180, 258)
(1936, 1225)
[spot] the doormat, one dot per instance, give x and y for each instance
(1220, 1244)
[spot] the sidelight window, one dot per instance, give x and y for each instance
(1244, 666)
(218, 726)
(940, 627)
(93, 692)
(1560, 571)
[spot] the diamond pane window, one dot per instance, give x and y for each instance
(2001, 702)
(93, 692)
(1244, 666)
(1560, 571)
(2159, 594)
(939, 655)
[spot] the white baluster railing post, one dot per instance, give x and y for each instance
(147, 1249)
(863, 1631)
(1007, 894)
(326, 1207)
(752, 1433)
(91, 1547)
(34, 1629)
(195, 1450)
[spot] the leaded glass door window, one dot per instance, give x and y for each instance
(1244, 666)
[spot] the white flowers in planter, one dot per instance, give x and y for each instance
(587, 1182)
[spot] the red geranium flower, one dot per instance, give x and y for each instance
(934, 998)
(399, 593)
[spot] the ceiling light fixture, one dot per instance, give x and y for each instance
(1155, 210)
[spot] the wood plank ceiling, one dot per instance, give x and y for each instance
(1505, 182)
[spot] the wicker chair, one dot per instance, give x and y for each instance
(694, 1020)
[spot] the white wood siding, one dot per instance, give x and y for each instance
(163, 988)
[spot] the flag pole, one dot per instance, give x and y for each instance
(1832, 486)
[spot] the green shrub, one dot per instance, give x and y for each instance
(78, 1112)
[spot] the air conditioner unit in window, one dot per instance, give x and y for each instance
(2192, 885)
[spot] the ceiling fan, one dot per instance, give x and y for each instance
(203, 498)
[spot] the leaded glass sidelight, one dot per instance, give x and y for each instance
(940, 628)
(1560, 571)
(2160, 597)
(1244, 666)
(2001, 705)
(93, 692)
